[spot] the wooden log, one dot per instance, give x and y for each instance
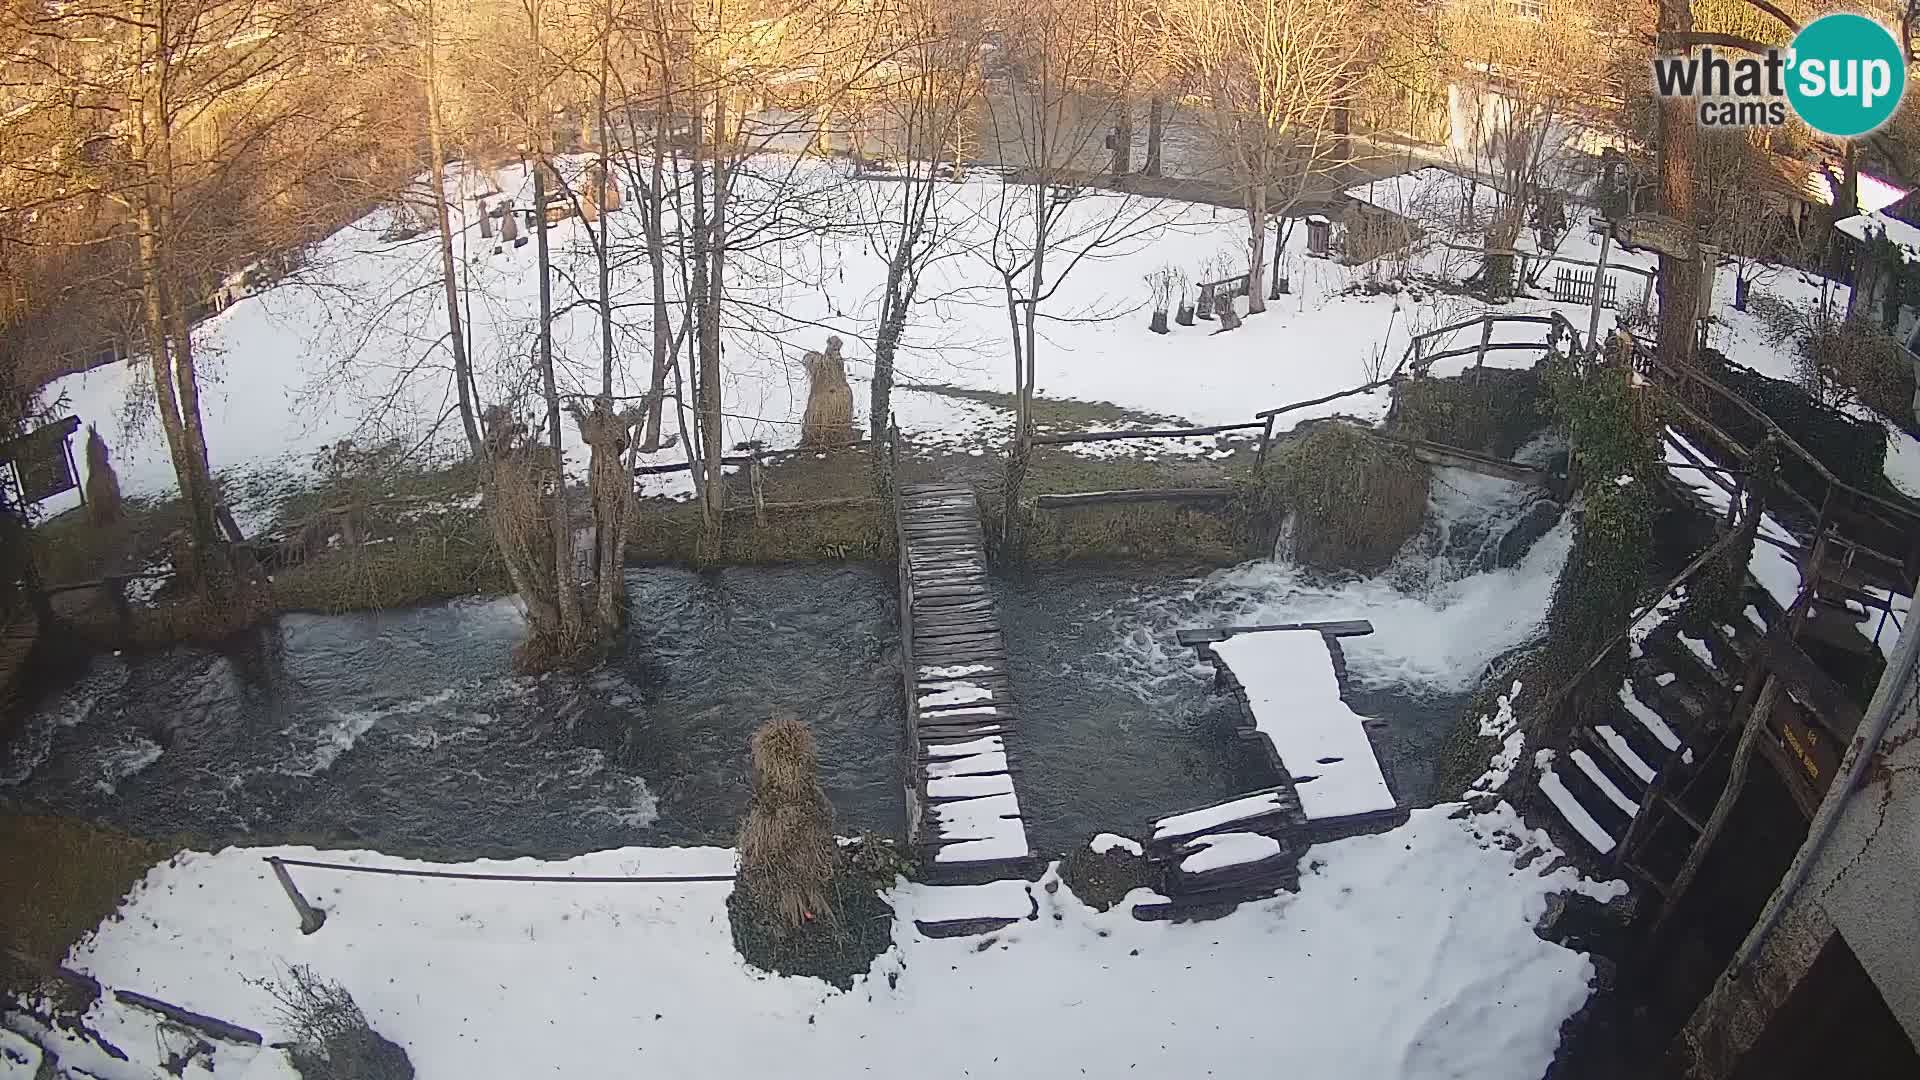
(311, 918)
(207, 1025)
(1197, 636)
(1152, 433)
(1136, 495)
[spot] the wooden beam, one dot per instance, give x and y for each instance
(1154, 433)
(1135, 495)
(1209, 634)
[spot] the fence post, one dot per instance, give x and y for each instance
(1486, 338)
(311, 918)
(756, 478)
(1266, 436)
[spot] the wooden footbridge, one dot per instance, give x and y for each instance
(1288, 683)
(963, 814)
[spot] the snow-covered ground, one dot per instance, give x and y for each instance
(354, 348)
(1409, 954)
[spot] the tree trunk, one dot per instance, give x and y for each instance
(657, 262)
(176, 390)
(1679, 280)
(1123, 141)
(1156, 133)
(602, 227)
(893, 322)
(1256, 248)
(712, 266)
(567, 596)
(462, 366)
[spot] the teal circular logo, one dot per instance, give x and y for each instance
(1845, 75)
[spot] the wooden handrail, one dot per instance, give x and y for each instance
(1613, 642)
(1685, 371)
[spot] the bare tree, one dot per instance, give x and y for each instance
(926, 90)
(1042, 231)
(1274, 72)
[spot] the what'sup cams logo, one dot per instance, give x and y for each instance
(1843, 75)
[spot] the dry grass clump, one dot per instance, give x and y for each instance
(787, 851)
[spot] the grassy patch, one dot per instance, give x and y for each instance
(1494, 411)
(70, 548)
(59, 880)
(1102, 880)
(439, 558)
(1207, 532)
(1355, 500)
(1059, 414)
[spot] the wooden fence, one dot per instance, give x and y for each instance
(1576, 287)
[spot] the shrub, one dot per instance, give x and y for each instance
(1354, 500)
(1489, 410)
(1842, 360)
(1613, 430)
(1853, 450)
(330, 1036)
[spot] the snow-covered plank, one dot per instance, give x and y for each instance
(989, 744)
(1208, 817)
(954, 671)
(1294, 694)
(1216, 851)
(1700, 651)
(1773, 568)
(957, 694)
(1604, 782)
(970, 765)
(1649, 719)
(976, 830)
(1624, 752)
(1572, 812)
(969, 787)
(1006, 899)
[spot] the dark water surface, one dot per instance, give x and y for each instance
(406, 731)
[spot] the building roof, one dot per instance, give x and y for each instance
(1900, 232)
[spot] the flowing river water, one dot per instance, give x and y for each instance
(405, 731)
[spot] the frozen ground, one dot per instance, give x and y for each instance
(1408, 954)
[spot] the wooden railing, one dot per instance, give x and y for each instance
(1838, 501)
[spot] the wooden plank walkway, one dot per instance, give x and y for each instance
(963, 813)
(1216, 856)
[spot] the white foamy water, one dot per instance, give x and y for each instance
(339, 736)
(123, 761)
(1441, 612)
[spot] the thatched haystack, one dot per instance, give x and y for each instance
(103, 485)
(800, 905)
(1354, 500)
(787, 851)
(828, 420)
